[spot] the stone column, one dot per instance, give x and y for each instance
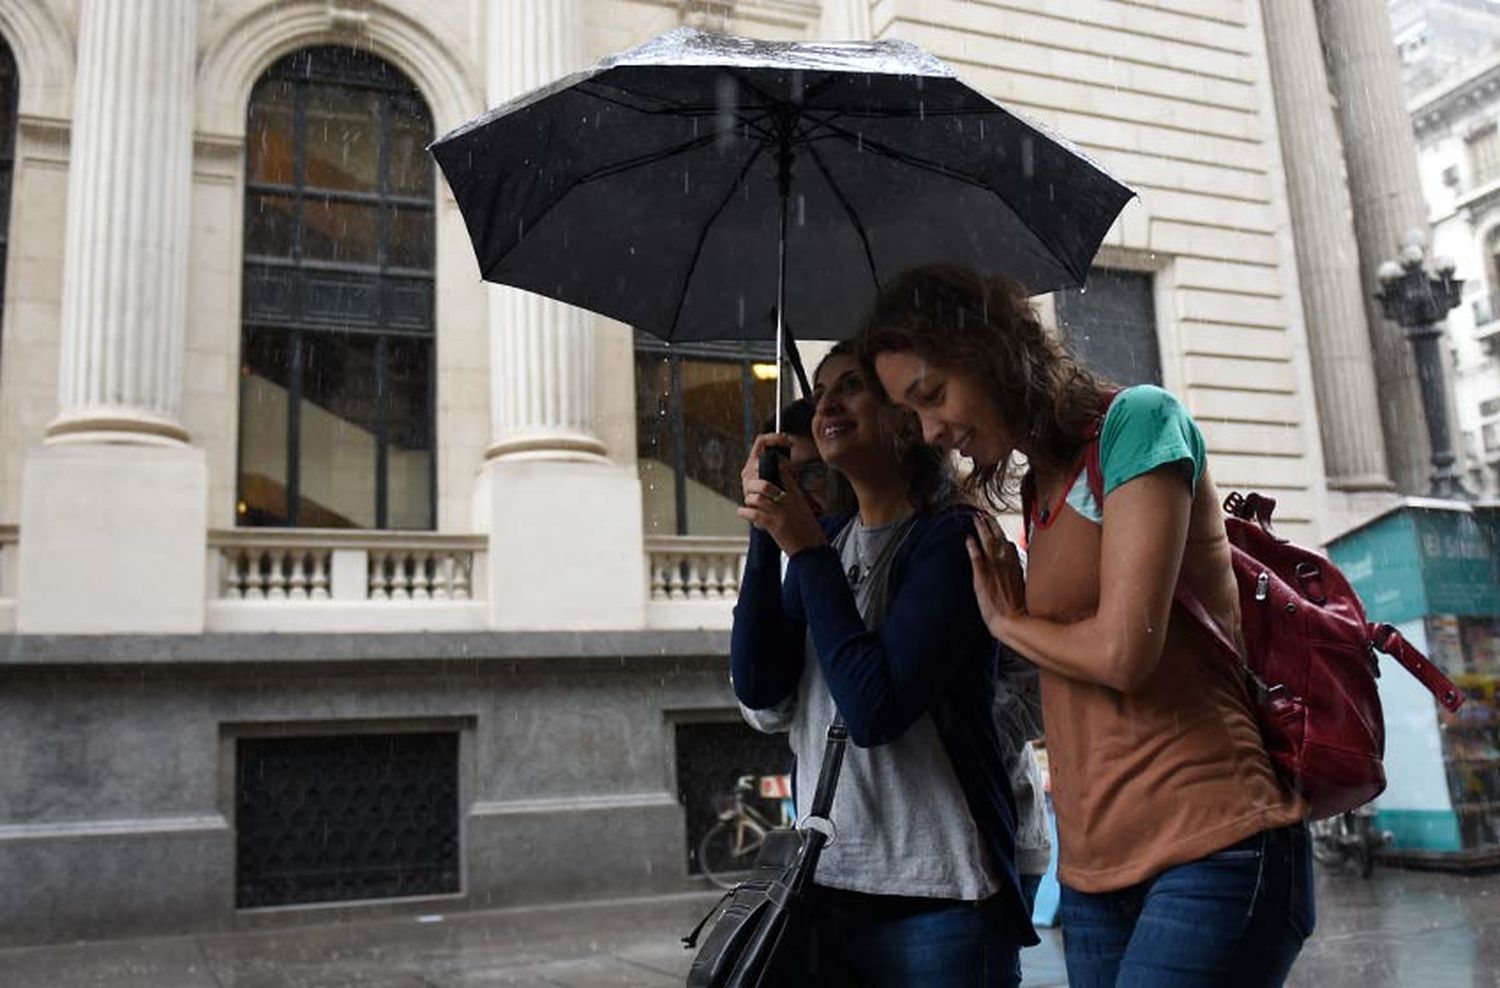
(1328, 260)
(126, 255)
(566, 545)
(1386, 192)
(114, 504)
(541, 351)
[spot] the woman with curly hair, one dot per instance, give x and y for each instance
(876, 620)
(1183, 858)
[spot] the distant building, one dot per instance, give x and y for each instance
(1451, 53)
(1438, 39)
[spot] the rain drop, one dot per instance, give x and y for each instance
(801, 209)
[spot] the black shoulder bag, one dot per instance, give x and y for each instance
(752, 932)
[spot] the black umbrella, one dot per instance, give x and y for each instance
(703, 187)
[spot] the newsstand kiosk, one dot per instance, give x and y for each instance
(1431, 568)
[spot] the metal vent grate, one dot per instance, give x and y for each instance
(325, 819)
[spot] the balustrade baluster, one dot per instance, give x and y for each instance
(658, 578)
(694, 577)
(461, 576)
(297, 577)
(275, 579)
(379, 586)
(442, 575)
(320, 576)
(675, 582)
(422, 574)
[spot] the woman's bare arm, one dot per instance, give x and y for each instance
(1145, 529)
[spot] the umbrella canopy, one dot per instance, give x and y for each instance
(661, 186)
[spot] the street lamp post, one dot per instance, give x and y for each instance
(1418, 301)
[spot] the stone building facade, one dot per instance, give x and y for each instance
(299, 517)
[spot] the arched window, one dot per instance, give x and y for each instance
(336, 392)
(9, 89)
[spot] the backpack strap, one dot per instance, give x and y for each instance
(1393, 643)
(1181, 595)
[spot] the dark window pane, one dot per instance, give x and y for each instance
(409, 432)
(408, 303)
(410, 243)
(343, 139)
(337, 428)
(654, 442)
(411, 166)
(340, 231)
(270, 137)
(713, 407)
(359, 406)
(265, 375)
(270, 225)
(1111, 326)
(340, 299)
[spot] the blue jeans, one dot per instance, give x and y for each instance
(890, 941)
(1238, 917)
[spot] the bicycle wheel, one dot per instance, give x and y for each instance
(728, 850)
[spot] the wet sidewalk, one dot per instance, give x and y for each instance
(1398, 929)
(617, 944)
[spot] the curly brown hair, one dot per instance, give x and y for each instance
(963, 321)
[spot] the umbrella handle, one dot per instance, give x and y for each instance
(770, 463)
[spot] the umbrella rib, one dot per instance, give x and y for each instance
(661, 154)
(859, 226)
(679, 110)
(640, 161)
(1059, 254)
(687, 279)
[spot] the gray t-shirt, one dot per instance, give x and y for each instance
(903, 824)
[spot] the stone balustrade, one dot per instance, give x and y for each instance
(311, 579)
(695, 567)
(311, 565)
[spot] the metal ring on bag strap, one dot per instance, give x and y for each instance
(822, 825)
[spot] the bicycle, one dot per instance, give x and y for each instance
(729, 848)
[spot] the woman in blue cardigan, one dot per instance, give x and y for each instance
(876, 614)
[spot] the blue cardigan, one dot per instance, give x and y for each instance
(932, 654)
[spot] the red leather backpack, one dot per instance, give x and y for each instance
(1310, 657)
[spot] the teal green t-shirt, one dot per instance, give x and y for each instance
(1145, 428)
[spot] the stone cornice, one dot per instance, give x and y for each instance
(1439, 107)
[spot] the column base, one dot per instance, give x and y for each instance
(114, 540)
(116, 426)
(581, 447)
(566, 549)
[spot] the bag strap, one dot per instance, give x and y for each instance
(1381, 636)
(1390, 641)
(828, 775)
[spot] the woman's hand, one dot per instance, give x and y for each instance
(999, 585)
(781, 510)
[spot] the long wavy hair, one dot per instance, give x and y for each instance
(926, 469)
(984, 326)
